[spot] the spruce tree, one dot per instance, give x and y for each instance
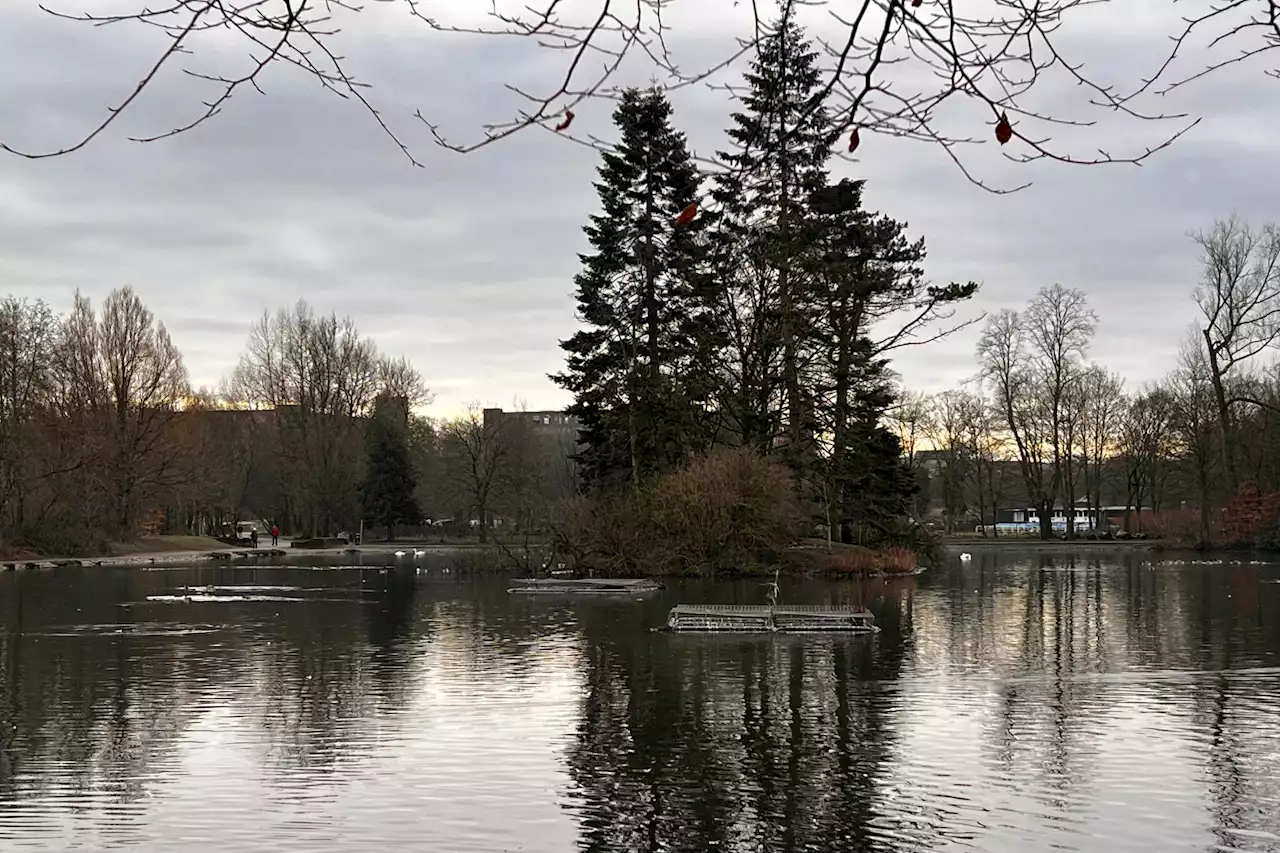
(642, 369)
(862, 268)
(782, 142)
(388, 493)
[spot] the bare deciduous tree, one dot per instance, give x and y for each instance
(1239, 297)
(476, 455)
(1194, 423)
(1002, 354)
(909, 419)
(397, 377)
(986, 438)
(320, 377)
(28, 338)
(120, 384)
(890, 64)
(1032, 360)
(1059, 325)
(951, 412)
(1144, 444)
(1102, 410)
(146, 386)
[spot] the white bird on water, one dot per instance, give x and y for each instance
(966, 557)
(418, 552)
(399, 553)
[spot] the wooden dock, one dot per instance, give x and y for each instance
(583, 586)
(754, 619)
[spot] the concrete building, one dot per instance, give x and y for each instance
(542, 423)
(557, 435)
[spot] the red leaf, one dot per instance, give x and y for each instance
(854, 140)
(686, 215)
(1004, 130)
(568, 120)
(916, 2)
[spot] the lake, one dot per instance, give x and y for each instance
(1103, 700)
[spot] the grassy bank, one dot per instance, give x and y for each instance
(163, 545)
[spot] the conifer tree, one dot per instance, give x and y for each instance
(862, 269)
(642, 370)
(388, 493)
(779, 159)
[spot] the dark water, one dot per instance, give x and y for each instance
(1017, 703)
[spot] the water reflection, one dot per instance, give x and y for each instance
(1018, 702)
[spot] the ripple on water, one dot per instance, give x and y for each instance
(134, 629)
(1102, 709)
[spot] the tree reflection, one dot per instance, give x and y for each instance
(99, 685)
(692, 743)
(994, 696)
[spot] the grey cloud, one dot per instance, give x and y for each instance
(466, 265)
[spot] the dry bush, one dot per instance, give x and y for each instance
(610, 533)
(1180, 526)
(866, 561)
(726, 510)
(898, 561)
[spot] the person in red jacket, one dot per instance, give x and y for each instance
(275, 535)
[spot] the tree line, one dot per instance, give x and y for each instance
(731, 378)
(102, 437)
(752, 312)
(1195, 455)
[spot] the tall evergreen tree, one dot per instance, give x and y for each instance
(782, 142)
(862, 269)
(641, 371)
(388, 493)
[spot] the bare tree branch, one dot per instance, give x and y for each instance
(891, 65)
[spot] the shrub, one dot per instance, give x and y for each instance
(725, 510)
(856, 560)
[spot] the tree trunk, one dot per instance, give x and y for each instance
(633, 439)
(995, 505)
(1224, 417)
(1069, 500)
(1204, 505)
(845, 325)
(651, 331)
(1046, 518)
(790, 367)
(982, 512)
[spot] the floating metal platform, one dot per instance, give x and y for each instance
(583, 586)
(755, 619)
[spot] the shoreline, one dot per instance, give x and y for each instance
(231, 553)
(283, 551)
(1056, 545)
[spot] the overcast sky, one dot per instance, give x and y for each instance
(466, 265)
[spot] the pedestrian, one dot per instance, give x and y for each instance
(253, 538)
(275, 535)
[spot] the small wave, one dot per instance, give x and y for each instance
(211, 599)
(139, 629)
(244, 588)
(233, 599)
